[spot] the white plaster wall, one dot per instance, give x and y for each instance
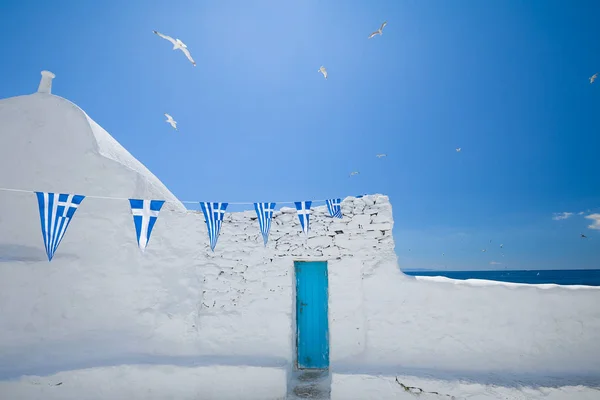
(48, 143)
(383, 319)
(102, 302)
(248, 289)
(470, 328)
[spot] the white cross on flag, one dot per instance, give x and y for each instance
(56, 212)
(145, 214)
(264, 212)
(303, 209)
(334, 206)
(213, 213)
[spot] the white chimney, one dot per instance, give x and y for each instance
(46, 82)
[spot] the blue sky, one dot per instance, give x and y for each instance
(507, 81)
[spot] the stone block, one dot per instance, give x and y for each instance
(369, 200)
(331, 252)
(344, 242)
(362, 220)
(380, 218)
(337, 226)
(285, 218)
(319, 241)
(386, 226)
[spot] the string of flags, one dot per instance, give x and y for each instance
(58, 209)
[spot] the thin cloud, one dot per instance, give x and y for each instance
(495, 263)
(596, 219)
(580, 213)
(562, 215)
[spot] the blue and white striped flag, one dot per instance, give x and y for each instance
(303, 209)
(145, 214)
(264, 211)
(334, 206)
(56, 212)
(213, 213)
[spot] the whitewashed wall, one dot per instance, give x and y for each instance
(102, 302)
(248, 290)
(381, 319)
(470, 329)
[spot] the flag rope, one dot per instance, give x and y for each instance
(167, 201)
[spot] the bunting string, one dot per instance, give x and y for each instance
(58, 209)
(167, 201)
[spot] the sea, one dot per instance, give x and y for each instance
(590, 277)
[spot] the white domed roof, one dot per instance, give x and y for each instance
(50, 144)
(100, 294)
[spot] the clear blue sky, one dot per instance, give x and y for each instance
(507, 81)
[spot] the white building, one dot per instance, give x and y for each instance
(335, 299)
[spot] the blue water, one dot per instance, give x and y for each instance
(589, 277)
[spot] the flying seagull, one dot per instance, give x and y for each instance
(171, 121)
(593, 77)
(381, 155)
(378, 31)
(354, 173)
(583, 236)
(323, 71)
(484, 250)
(501, 246)
(178, 45)
(458, 149)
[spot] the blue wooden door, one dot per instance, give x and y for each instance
(312, 331)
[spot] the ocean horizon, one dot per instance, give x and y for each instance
(589, 277)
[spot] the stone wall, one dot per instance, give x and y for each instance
(249, 289)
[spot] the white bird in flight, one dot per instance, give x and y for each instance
(178, 45)
(381, 155)
(458, 149)
(484, 250)
(501, 246)
(378, 31)
(593, 77)
(323, 71)
(171, 121)
(354, 173)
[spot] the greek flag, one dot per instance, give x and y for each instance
(303, 209)
(334, 206)
(264, 211)
(213, 213)
(56, 212)
(145, 214)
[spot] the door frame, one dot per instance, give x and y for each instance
(294, 308)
